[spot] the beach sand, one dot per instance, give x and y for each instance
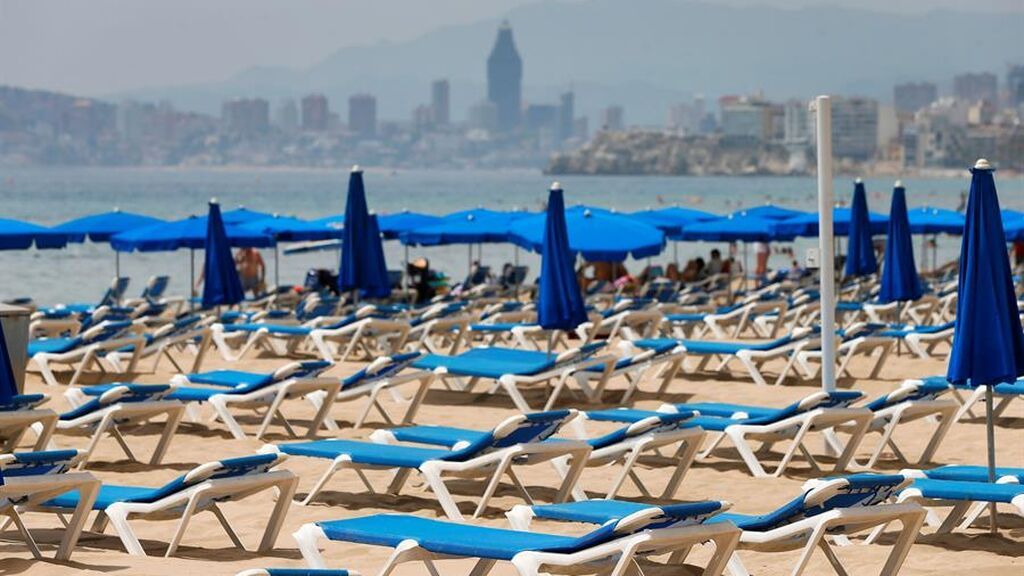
(207, 551)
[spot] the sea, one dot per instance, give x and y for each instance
(81, 272)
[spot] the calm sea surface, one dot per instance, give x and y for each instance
(50, 196)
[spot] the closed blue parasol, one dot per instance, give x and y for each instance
(597, 234)
(101, 227)
(18, 235)
(860, 252)
(360, 248)
(899, 274)
(559, 304)
(8, 385)
(988, 342)
(221, 285)
(931, 220)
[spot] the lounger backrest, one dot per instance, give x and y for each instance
(519, 429)
(219, 470)
(679, 515)
(104, 331)
(578, 354)
(115, 292)
(380, 369)
(22, 402)
(848, 492)
(121, 393)
(156, 287)
(307, 369)
(837, 399)
(37, 463)
(909, 391)
(659, 423)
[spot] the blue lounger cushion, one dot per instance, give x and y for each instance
(714, 347)
(53, 345)
(22, 402)
(600, 511)
(306, 572)
(240, 378)
(39, 463)
(398, 363)
(113, 493)
(136, 393)
(367, 453)
(969, 491)
(490, 362)
(961, 473)
(457, 539)
(1010, 388)
(498, 326)
(725, 410)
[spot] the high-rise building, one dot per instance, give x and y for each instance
(484, 116)
(912, 96)
(613, 119)
(246, 115)
(566, 115)
(362, 115)
(505, 80)
(752, 118)
(854, 127)
(542, 117)
(286, 117)
(795, 121)
(971, 87)
(440, 102)
(315, 113)
(1015, 84)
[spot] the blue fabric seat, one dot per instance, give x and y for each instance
(39, 463)
(136, 393)
(53, 345)
(367, 453)
(494, 362)
(969, 491)
(22, 402)
(962, 473)
(456, 539)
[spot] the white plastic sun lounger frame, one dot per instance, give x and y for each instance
(162, 346)
(21, 492)
(795, 429)
(740, 318)
(366, 335)
(86, 356)
(752, 359)
(614, 558)
(629, 452)
(270, 398)
(492, 465)
(205, 496)
(372, 390)
(962, 514)
(812, 532)
(563, 369)
(860, 346)
(107, 420)
(645, 365)
(887, 420)
(15, 423)
(923, 344)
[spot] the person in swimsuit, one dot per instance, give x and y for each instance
(252, 271)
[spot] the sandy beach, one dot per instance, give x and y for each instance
(207, 550)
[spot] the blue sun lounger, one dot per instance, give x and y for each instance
(84, 350)
(119, 407)
(19, 414)
(622, 447)
(608, 549)
(818, 412)
(752, 355)
(201, 489)
(297, 572)
(967, 489)
(30, 478)
(511, 368)
(517, 441)
(838, 507)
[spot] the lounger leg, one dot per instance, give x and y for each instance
(797, 445)
(186, 516)
(44, 433)
(444, 497)
(483, 567)
(813, 542)
(226, 526)
(751, 367)
(492, 485)
(336, 465)
(736, 567)
(953, 518)
(627, 466)
(118, 518)
(25, 534)
(686, 454)
(417, 399)
(115, 432)
(170, 429)
(286, 492)
(307, 537)
(43, 362)
(399, 480)
(911, 528)
(101, 428)
(220, 407)
(323, 414)
(725, 550)
(274, 409)
(514, 393)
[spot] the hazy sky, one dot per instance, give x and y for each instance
(96, 47)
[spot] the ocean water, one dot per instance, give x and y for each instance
(49, 196)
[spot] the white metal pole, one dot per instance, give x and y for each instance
(192, 279)
(825, 246)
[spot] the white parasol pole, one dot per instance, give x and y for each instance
(827, 272)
